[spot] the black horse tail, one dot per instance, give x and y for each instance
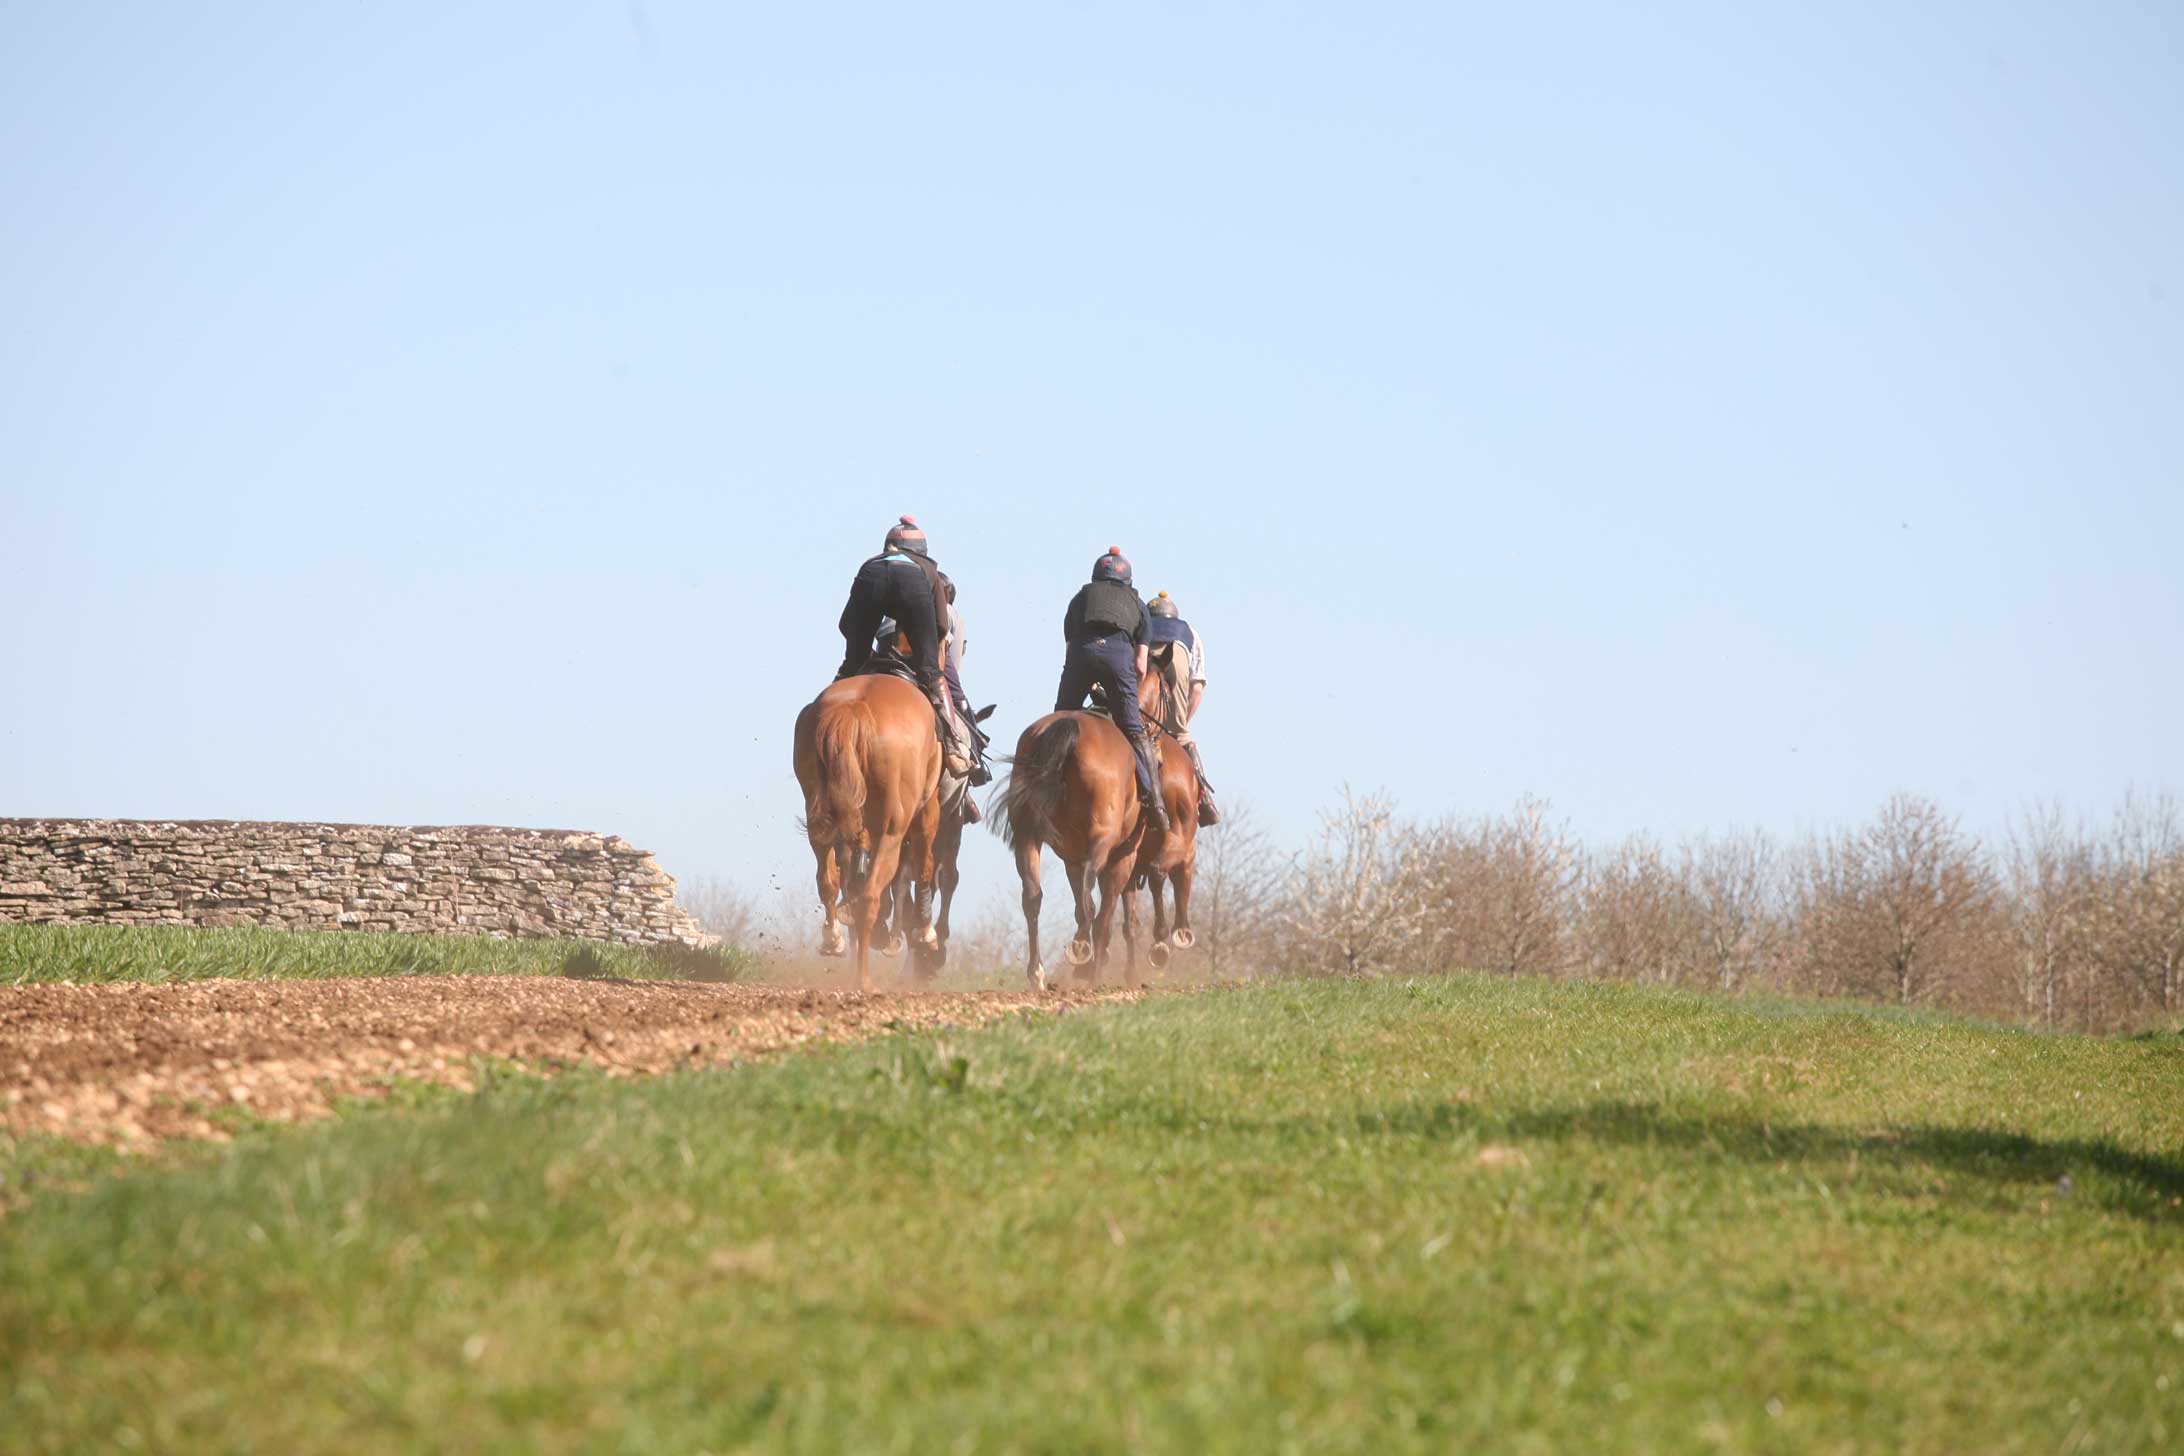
(1031, 797)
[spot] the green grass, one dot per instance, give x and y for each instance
(96, 953)
(1353, 1217)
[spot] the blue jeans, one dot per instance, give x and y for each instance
(1112, 663)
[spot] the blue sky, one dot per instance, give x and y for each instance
(1719, 415)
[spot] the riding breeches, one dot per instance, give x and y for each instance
(1112, 663)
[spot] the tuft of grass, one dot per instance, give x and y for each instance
(103, 953)
(1343, 1216)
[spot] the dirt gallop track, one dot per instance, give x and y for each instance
(129, 1063)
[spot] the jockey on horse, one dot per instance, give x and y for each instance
(1107, 631)
(902, 583)
(884, 651)
(1178, 659)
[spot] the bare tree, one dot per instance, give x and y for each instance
(1235, 894)
(1533, 867)
(1735, 889)
(1497, 893)
(2135, 917)
(1892, 911)
(2047, 869)
(1636, 919)
(1351, 903)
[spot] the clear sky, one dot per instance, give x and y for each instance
(1724, 414)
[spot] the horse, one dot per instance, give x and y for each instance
(1167, 860)
(1072, 787)
(1164, 860)
(868, 761)
(947, 847)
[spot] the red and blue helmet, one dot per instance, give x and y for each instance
(904, 535)
(1114, 566)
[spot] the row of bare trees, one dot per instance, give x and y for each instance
(2059, 924)
(2062, 924)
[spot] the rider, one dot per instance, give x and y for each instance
(954, 800)
(959, 646)
(903, 583)
(1179, 659)
(1105, 628)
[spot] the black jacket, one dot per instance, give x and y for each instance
(906, 587)
(1104, 609)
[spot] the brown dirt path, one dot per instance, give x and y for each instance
(129, 1063)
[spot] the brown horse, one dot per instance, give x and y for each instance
(1072, 787)
(868, 761)
(1166, 860)
(947, 847)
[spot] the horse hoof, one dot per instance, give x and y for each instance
(1080, 951)
(1158, 955)
(929, 938)
(888, 945)
(1184, 937)
(833, 943)
(1037, 975)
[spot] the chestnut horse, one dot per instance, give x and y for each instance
(1072, 787)
(928, 958)
(1166, 859)
(868, 761)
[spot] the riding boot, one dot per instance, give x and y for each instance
(980, 773)
(1208, 815)
(1150, 798)
(952, 759)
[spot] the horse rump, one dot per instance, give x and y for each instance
(834, 805)
(1031, 796)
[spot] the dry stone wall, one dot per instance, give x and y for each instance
(467, 880)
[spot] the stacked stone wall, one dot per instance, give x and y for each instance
(463, 880)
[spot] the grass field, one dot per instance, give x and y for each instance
(1450, 1214)
(88, 954)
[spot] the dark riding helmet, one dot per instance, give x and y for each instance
(904, 535)
(1162, 606)
(1114, 566)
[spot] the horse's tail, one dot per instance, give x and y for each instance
(1031, 797)
(835, 812)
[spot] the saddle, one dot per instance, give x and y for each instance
(887, 662)
(1097, 705)
(891, 658)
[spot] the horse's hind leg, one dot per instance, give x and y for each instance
(1114, 884)
(1080, 886)
(1129, 929)
(878, 873)
(1027, 871)
(1180, 877)
(948, 877)
(896, 911)
(883, 918)
(928, 937)
(1158, 953)
(832, 938)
